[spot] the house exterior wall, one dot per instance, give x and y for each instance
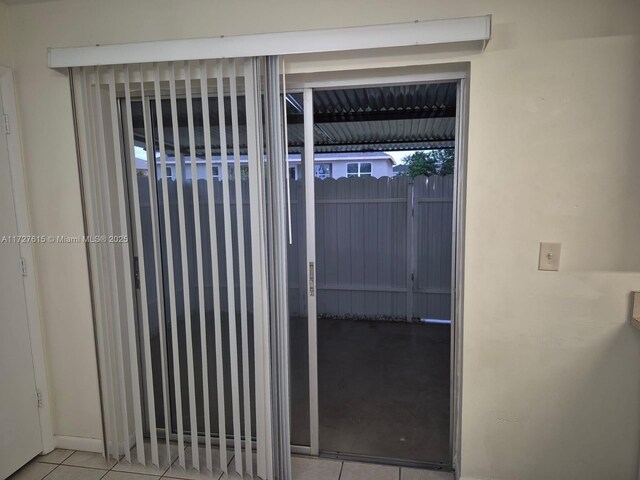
(379, 168)
(550, 384)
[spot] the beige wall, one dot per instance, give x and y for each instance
(551, 387)
(5, 47)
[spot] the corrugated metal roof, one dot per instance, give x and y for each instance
(400, 117)
(434, 98)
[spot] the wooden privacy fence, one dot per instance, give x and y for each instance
(383, 245)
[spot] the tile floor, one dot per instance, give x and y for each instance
(71, 465)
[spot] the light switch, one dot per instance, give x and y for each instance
(549, 256)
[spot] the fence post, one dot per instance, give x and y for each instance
(409, 249)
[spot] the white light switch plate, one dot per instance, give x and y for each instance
(549, 256)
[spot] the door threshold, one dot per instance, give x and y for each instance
(443, 467)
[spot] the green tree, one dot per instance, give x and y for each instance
(430, 162)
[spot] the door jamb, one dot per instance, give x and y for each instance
(7, 91)
(459, 222)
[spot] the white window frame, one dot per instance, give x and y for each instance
(360, 173)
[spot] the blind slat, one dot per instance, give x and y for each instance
(125, 262)
(157, 262)
(113, 338)
(215, 273)
(246, 389)
(184, 260)
(94, 227)
(199, 266)
(144, 304)
(228, 246)
(170, 271)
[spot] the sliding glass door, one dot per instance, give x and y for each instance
(379, 168)
(287, 284)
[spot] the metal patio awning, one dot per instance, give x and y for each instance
(385, 118)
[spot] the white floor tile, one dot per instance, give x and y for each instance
(307, 468)
(416, 474)
(128, 476)
(189, 473)
(65, 472)
(233, 475)
(149, 469)
(57, 456)
(232, 461)
(33, 471)
(368, 471)
(89, 459)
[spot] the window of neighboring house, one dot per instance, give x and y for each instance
(244, 172)
(216, 172)
(360, 169)
(322, 170)
(293, 173)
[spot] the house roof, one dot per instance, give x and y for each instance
(400, 169)
(384, 118)
(293, 157)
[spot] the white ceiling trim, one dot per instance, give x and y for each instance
(430, 32)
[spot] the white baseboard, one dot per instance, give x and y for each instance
(78, 443)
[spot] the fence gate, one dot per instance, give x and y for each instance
(383, 246)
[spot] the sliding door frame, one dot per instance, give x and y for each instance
(459, 74)
(312, 309)
(306, 84)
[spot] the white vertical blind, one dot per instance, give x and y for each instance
(128, 280)
(113, 337)
(171, 287)
(246, 388)
(144, 307)
(200, 272)
(229, 247)
(94, 223)
(215, 271)
(278, 299)
(184, 261)
(258, 261)
(154, 160)
(157, 270)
